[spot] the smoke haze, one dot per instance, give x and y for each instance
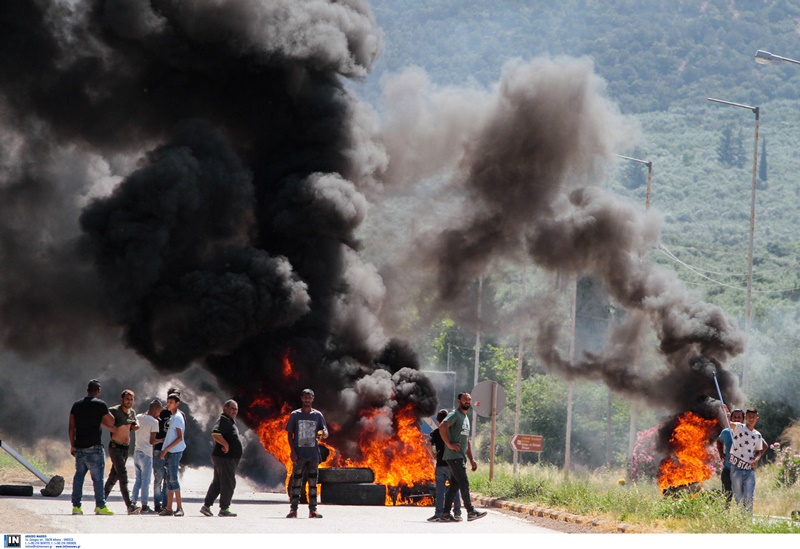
(187, 179)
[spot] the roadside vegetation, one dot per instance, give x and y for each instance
(607, 495)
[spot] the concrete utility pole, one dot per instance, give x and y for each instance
(519, 401)
(477, 357)
(568, 437)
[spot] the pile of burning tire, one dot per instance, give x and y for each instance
(350, 486)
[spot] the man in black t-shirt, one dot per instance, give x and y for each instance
(443, 476)
(225, 457)
(85, 433)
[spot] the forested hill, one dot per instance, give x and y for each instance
(653, 53)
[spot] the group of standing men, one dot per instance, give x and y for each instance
(159, 447)
(160, 444)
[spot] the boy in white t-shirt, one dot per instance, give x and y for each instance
(747, 448)
(143, 456)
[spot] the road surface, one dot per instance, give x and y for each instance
(259, 513)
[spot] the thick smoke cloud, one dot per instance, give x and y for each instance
(190, 175)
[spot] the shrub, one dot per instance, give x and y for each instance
(644, 463)
(788, 463)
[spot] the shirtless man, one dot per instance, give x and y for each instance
(124, 422)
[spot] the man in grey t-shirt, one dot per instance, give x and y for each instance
(305, 428)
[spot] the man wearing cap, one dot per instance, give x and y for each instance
(305, 428)
(85, 433)
(724, 442)
(747, 448)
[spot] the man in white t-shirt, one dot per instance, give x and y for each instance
(143, 456)
(747, 448)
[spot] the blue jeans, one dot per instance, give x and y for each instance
(144, 472)
(442, 476)
(90, 460)
(173, 461)
(743, 483)
(159, 480)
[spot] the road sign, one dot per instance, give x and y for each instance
(527, 443)
(482, 398)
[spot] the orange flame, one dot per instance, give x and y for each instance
(399, 459)
(288, 371)
(691, 456)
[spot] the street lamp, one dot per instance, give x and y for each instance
(634, 410)
(765, 58)
(747, 309)
(649, 175)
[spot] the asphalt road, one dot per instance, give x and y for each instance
(259, 513)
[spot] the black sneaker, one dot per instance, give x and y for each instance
(457, 518)
(146, 510)
(134, 509)
(447, 517)
(475, 515)
(206, 511)
(434, 518)
(292, 514)
(314, 514)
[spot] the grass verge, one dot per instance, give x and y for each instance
(606, 495)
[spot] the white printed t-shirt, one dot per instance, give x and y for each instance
(745, 445)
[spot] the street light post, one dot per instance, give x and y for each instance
(634, 408)
(748, 303)
(649, 175)
(765, 58)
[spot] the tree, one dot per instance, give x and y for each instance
(725, 147)
(762, 167)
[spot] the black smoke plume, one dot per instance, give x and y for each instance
(191, 176)
(190, 173)
(528, 155)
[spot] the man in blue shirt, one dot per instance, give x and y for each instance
(724, 450)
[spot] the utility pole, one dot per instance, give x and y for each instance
(568, 436)
(477, 357)
(519, 401)
(448, 357)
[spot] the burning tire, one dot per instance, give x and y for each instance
(353, 494)
(346, 475)
(16, 490)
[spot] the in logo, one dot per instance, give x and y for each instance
(12, 540)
